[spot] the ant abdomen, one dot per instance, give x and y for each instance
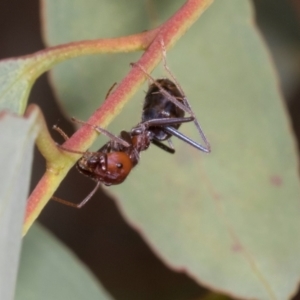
(158, 106)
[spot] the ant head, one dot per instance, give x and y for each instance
(110, 169)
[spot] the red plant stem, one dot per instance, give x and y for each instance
(169, 32)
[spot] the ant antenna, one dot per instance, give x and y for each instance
(61, 132)
(82, 203)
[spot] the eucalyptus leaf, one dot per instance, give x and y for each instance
(15, 83)
(17, 137)
(48, 270)
(231, 218)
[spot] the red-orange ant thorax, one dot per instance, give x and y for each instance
(108, 168)
(158, 106)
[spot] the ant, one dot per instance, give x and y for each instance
(112, 163)
(163, 113)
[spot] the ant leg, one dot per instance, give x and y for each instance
(163, 146)
(103, 131)
(163, 91)
(110, 89)
(167, 121)
(201, 132)
(97, 128)
(170, 144)
(60, 131)
(82, 203)
(72, 151)
(64, 135)
(171, 130)
(164, 55)
(174, 132)
(158, 122)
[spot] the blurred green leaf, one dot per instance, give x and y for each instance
(15, 83)
(281, 29)
(231, 218)
(17, 137)
(91, 21)
(49, 271)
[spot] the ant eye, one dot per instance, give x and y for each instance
(119, 165)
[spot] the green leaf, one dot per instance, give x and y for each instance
(17, 137)
(131, 20)
(231, 218)
(49, 271)
(284, 38)
(15, 83)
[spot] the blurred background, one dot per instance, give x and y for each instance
(98, 234)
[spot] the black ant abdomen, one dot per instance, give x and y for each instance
(158, 106)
